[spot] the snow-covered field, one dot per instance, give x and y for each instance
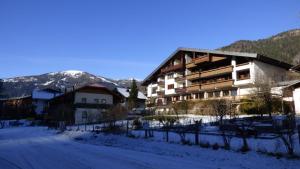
(37, 147)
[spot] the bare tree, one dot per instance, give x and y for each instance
(220, 109)
(262, 97)
(286, 132)
(117, 112)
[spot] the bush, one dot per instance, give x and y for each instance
(137, 124)
(215, 146)
(204, 145)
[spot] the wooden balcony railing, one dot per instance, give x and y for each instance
(161, 83)
(193, 87)
(213, 72)
(180, 90)
(161, 93)
(192, 76)
(180, 78)
(216, 85)
(201, 59)
(172, 68)
(190, 65)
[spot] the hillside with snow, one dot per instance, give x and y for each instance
(20, 86)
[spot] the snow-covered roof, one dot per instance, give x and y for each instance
(125, 93)
(44, 94)
(288, 83)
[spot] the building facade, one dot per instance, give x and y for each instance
(83, 105)
(191, 74)
(41, 98)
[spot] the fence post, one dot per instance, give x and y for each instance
(127, 126)
(167, 135)
(299, 132)
(197, 133)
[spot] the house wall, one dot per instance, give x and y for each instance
(296, 97)
(93, 115)
(90, 97)
(39, 106)
(149, 90)
(169, 81)
(268, 72)
(236, 69)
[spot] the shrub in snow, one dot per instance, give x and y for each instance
(204, 145)
(215, 146)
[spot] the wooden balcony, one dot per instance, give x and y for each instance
(218, 71)
(217, 85)
(201, 59)
(180, 90)
(161, 83)
(190, 65)
(172, 68)
(180, 79)
(193, 87)
(161, 93)
(193, 76)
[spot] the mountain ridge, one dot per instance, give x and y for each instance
(24, 85)
(284, 46)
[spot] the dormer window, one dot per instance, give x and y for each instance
(83, 100)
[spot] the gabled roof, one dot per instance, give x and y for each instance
(94, 85)
(228, 53)
(45, 94)
(125, 93)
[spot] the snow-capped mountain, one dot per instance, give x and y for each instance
(20, 86)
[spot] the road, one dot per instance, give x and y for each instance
(37, 148)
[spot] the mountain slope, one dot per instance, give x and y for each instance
(19, 86)
(284, 46)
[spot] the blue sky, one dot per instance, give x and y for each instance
(121, 39)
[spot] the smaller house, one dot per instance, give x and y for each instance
(124, 92)
(41, 98)
(289, 91)
(83, 105)
(16, 107)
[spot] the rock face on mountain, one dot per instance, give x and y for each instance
(20, 86)
(284, 46)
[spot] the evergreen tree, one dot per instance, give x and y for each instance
(133, 94)
(1, 88)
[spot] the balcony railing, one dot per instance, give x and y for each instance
(161, 83)
(217, 85)
(161, 93)
(193, 87)
(172, 68)
(213, 72)
(190, 65)
(194, 75)
(180, 90)
(180, 78)
(201, 59)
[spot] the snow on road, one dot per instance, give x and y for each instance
(39, 148)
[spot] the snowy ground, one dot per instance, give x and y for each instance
(37, 147)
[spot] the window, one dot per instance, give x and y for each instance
(83, 100)
(96, 100)
(170, 86)
(103, 101)
(233, 92)
(154, 89)
(226, 93)
(201, 95)
(210, 94)
(243, 74)
(217, 94)
(84, 114)
(170, 76)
